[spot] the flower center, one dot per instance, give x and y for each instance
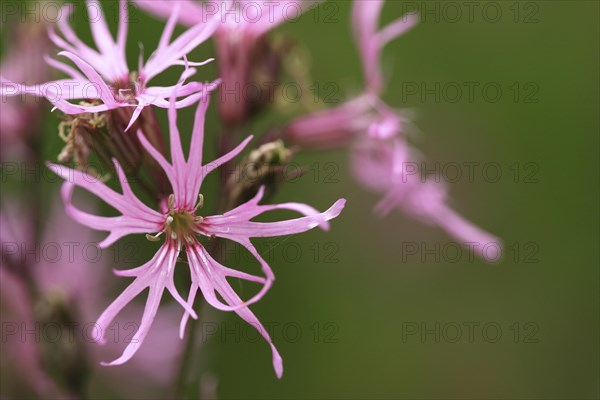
(180, 224)
(126, 89)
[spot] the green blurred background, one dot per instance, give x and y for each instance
(350, 308)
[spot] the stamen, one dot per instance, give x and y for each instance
(200, 203)
(188, 238)
(169, 219)
(171, 201)
(153, 238)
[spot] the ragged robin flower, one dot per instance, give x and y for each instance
(102, 76)
(246, 61)
(180, 222)
(375, 134)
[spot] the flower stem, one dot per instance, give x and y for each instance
(180, 384)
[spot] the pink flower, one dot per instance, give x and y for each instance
(56, 278)
(104, 75)
(242, 24)
(375, 133)
(181, 226)
(386, 167)
(62, 278)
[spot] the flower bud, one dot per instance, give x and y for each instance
(265, 166)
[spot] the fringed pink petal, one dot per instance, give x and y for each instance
(136, 113)
(74, 109)
(197, 141)
(114, 58)
(177, 157)
(54, 91)
(266, 268)
(75, 46)
(331, 128)
(103, 322)
(158, 157)
(167, 55)
(208, 168)
(186, 176)
(154, 95)
(194, 63)
(93, 185)
(186, 316)
(100, 32)
(104, 91)
(152, 303)
(397, 28)
(127, 191)
(251, 319)
(157, 275)
(123, 27)
(236, 223)
(210, 277)
(167, 33)
(67, 69)
(485, 245)
(384, 167)
(165, 92)
(365, 19)
(136, 217)
(117, 226)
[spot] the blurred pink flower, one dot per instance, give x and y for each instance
(375, 132)
(242, 24)
(387, 167)
(53, 264)
(60, 265)
(178, 220)
(104, 75)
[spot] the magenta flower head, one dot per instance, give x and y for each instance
(242, 24)
(179, 222)
(103, 75)
(381, 159)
